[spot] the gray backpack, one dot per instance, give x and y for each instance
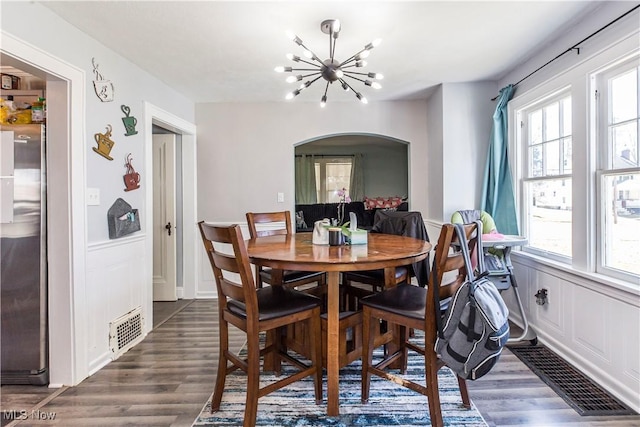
(475, 327)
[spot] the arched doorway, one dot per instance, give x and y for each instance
(384, 161)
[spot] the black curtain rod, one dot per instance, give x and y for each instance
(572, 48)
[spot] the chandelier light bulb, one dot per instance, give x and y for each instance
(331, 69)
(290, 35)
(361, 98)
(293, 94)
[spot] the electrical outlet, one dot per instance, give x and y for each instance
(93, 196)
(280, 197)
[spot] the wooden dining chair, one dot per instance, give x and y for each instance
(254, 311)
(290, 278)
(414, 307)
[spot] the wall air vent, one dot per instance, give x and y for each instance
(125, 332)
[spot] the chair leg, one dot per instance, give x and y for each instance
(316, 353)
(253, 380)
(433, 395)
(222, 366)
(464, 393)
(404, 337)
(367, 353)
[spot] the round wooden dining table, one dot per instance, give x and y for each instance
(297, 252)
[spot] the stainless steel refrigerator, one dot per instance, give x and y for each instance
(23, 251)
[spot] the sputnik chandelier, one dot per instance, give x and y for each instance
(330, 69)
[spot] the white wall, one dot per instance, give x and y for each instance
(467, 113)
(435, 160)
(112, 281)
(460, 119)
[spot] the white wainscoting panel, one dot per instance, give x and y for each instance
(115, 286)
(592, 316)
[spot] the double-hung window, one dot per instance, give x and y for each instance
(547, 182)
(617, 107)
(332, 174)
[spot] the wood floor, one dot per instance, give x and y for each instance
(166, 379)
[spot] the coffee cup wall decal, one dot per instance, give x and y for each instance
(104, 88)
(105, 144)
(131, 178)
(130, 122)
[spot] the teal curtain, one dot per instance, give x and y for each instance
(497, 190)
(356, 183)
(305, 180)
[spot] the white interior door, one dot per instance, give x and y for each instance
(164, 217)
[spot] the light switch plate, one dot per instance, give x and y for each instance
(280, 197)
(93, 196)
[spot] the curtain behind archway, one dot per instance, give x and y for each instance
(356, 184)
(497, 190)
(305, 174)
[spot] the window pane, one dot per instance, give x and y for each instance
(566, 116)
(552, 158)
(624, 97)
(549, 215)
(338, 177)
(552, 121)
(566, 156)
(624, 142)
(535, 156)
(535, 127)
(621, 237)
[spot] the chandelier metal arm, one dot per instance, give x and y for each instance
(353, 58)
(314, 57)
(347, 74)
(348, 85)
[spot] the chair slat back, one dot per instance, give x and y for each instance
(449, 272)
(236, 263)
(450, 261)
(254, 218)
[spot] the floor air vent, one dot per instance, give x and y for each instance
(582, 394)
(125, 332)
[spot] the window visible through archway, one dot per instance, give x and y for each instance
(332, 174)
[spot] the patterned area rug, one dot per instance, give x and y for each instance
(389, 404)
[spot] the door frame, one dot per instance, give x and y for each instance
(166, 285)
(67, 215)
(159, 117)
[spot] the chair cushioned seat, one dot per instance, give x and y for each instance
(276, 301)
(375, 274)
(407, 300)
(288, 275)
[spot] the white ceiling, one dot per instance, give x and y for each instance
(225, 51)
